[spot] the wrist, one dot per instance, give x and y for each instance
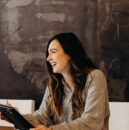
(49, 128)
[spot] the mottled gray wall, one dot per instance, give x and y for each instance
(113, 38)
(25, 28)
(27, 25)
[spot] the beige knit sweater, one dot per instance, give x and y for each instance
(96, 112)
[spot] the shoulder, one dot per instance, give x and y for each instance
(96, 75)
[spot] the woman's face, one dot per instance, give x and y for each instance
(58, 59)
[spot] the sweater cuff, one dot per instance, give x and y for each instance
(61, 126)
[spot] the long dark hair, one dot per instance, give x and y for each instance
(80, 67)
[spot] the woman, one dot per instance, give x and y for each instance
(76, 97)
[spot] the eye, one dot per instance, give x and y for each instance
(53, 51)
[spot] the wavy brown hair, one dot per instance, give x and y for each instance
(79, 69)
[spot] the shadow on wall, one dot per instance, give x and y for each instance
(115, 53)
(36, 71)
(18, 86)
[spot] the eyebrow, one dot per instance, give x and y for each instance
(52, 50)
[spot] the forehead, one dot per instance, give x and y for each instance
(54, 44)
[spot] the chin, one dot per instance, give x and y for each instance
(55, 71)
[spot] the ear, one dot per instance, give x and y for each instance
(68, 57)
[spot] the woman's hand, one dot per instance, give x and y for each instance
(10, 105)
(2, 117)
(41, 127)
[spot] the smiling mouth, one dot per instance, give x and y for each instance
(53, 64)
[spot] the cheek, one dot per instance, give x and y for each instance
(62, 60)
(65, 62)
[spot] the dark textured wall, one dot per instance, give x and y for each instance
(113, 29)
(27, 25)
(25, 28)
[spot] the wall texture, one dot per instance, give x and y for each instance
(25, 28)
(27, 25)
(113, 30)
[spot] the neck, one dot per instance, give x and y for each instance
(69, 80)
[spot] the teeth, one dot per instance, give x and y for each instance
(53, 64)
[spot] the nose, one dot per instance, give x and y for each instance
(49, 58)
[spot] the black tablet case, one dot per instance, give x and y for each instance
(15, 117)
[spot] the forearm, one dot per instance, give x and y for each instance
(41, 127)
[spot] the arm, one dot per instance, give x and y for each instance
(95, 106)
(40, 116)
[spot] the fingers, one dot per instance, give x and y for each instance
(10, 105)
(0, 115)
(41, 127)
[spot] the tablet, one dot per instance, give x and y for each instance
(15, 117)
